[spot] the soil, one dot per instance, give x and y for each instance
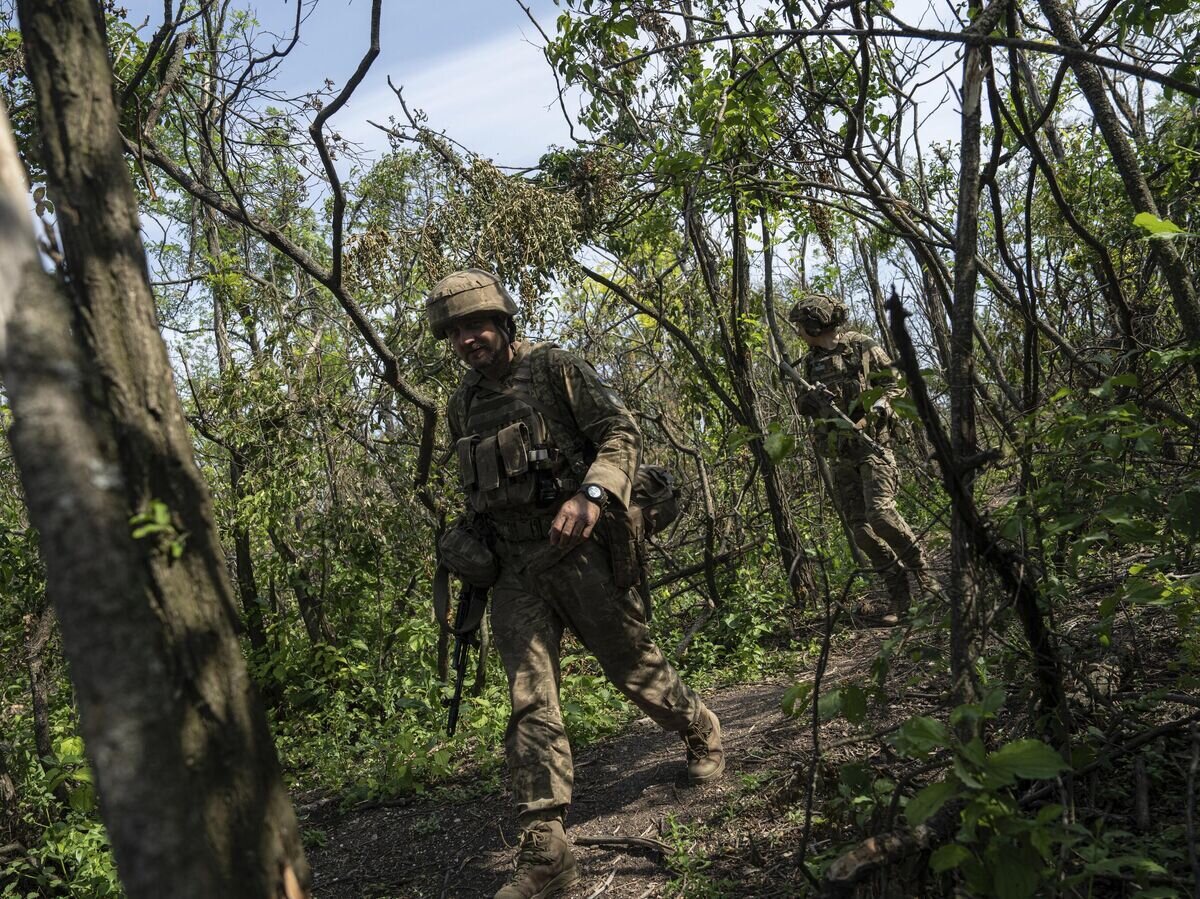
(744, 835)
(732, 835)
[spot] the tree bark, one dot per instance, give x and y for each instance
(961, 374)
(38, 628)
(189, 783)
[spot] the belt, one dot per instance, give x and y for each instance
(518, 530)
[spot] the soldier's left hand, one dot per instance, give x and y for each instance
(574, 523)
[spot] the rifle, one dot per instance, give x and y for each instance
(464, 638)
(828, 405)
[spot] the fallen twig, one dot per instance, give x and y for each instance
(628, 842)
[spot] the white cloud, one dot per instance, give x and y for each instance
(497, 98)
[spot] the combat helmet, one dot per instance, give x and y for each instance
(818, 310)
(465, 293)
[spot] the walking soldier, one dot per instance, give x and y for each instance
(548, 457)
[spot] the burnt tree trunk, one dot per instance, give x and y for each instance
(189, 783)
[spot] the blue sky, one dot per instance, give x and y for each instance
(474, 66)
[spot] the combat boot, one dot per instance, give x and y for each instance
(897, 587)
(927, 582)
(545, 865)
(705, 755)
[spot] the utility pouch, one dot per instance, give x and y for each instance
(655, 498)
(623, 530)
(466, 461)
(487, 465)
(514, 445)
(464, 550)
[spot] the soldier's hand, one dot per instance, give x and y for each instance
(574, 523)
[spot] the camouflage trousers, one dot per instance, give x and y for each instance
(530, 609)
(865, 486)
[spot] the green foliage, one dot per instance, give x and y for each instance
(67, 851)
(158, 523)
(1155, 226)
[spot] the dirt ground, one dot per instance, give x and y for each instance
(728, 835)
(626, 785)
(742, 836)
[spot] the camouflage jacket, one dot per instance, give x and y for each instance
(553, 390)
(853, 366)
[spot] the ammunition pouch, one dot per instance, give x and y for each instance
(512, 469)
(653, 506)
(463, 550)
(623, 534)
(656, 497)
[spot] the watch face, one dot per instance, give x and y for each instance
(595, 492)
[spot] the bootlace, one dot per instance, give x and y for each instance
(696, 739)
(532, 851)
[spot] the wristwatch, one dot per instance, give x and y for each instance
(595, 493)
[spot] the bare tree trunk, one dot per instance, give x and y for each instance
(797, 563)
(38, 628)
(188, 780)
(252, 608)
(961, 374)
(312, 610)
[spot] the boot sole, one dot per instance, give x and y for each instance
(563, 881)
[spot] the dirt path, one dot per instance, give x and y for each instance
(626, 785)
(632, 784)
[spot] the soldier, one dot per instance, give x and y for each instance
(841, 366)
(543, 447)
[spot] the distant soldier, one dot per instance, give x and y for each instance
(842, 366)
(543, 447)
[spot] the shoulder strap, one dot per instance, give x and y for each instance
(544, 399)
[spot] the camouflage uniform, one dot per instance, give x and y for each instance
(865, 479)
(541, 590)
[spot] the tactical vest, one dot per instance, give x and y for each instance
(843, 370)
(519, 457)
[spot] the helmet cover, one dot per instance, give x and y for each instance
(465, 293)
(818, 311)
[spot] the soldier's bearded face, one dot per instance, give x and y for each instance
(478, 341)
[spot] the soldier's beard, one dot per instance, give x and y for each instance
(492, 362)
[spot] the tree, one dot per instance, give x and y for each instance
(188, 779)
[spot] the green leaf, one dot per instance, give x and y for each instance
(905, 408)
(1185, 512)
(1155, 226)
(929, 800)
(1015, 880)
(740, 436)
(830, 704)
(1030, 759)
(779, 445)
(946, 857)
(854, 704)
(919, 735)
(83, 798)
(70, 749)
(796, 699)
